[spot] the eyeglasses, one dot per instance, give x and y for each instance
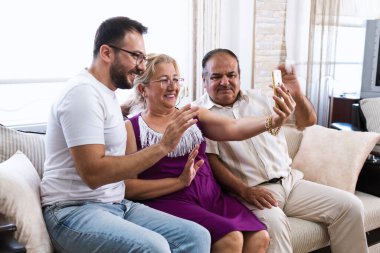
(166, 82)
(137, 56)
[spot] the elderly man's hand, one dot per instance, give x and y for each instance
(259, 197)
(285, 106)
(290, 80)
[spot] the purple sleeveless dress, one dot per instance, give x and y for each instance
(203, 201)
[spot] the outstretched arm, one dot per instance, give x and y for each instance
(304, 111)
(257, 196)
(221, 128)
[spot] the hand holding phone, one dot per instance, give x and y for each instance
(276, 80)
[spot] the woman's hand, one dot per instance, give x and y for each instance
(190, 169)
(285, 106)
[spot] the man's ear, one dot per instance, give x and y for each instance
(204, 82)
(105, 53)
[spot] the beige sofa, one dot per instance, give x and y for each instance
(19, 196)
(313, 237)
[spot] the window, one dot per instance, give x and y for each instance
(45, 42)
(349, 59)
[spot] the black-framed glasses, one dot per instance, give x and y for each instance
(165, 82)
(137, 56)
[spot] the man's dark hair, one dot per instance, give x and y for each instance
(210, 54)
(112, 31)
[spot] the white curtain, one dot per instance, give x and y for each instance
(310, 33)
(206, 37)
(311, 29)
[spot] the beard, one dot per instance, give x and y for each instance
(119, 75)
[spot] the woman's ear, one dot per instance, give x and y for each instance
(141, 89)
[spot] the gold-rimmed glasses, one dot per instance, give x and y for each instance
(165, 82)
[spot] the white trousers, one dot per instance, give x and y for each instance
(341, 211)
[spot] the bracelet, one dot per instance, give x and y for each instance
(269, 126)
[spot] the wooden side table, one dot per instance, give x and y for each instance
(341, 109)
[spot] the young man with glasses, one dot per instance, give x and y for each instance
(258, 171)
(83, 187)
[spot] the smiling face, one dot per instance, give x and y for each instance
(221, 79)
(124, 69)
(161, 94)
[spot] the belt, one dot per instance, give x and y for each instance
(273, 180)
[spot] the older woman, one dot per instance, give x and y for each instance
(182, 183)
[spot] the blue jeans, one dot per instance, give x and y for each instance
(80, 226)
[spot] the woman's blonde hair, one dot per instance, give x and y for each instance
(137, 100)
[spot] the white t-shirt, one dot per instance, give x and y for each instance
(259, 158)
(86, 113)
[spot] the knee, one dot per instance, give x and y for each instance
(356, 206)
(276, 220)
(256, 241)
(262, 239)
(232, 242)
(235, 239)
(154, 243)
(198, 238)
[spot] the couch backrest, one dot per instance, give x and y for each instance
(31, 144)
(293, 138)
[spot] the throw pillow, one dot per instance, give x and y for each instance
(32, 145)
(333, 157)
(20, 202)
(370, 108)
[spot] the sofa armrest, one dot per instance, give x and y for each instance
(369, 177)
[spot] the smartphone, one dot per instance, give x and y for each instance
(276, 80)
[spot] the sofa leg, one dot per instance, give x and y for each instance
(7, 243)
(373, 237)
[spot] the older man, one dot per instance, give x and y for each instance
(258, 170)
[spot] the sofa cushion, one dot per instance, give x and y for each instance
(333, 157)
(20, 202)
(307, 236)
(371, 210)
(32, 145)
(293, 138)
